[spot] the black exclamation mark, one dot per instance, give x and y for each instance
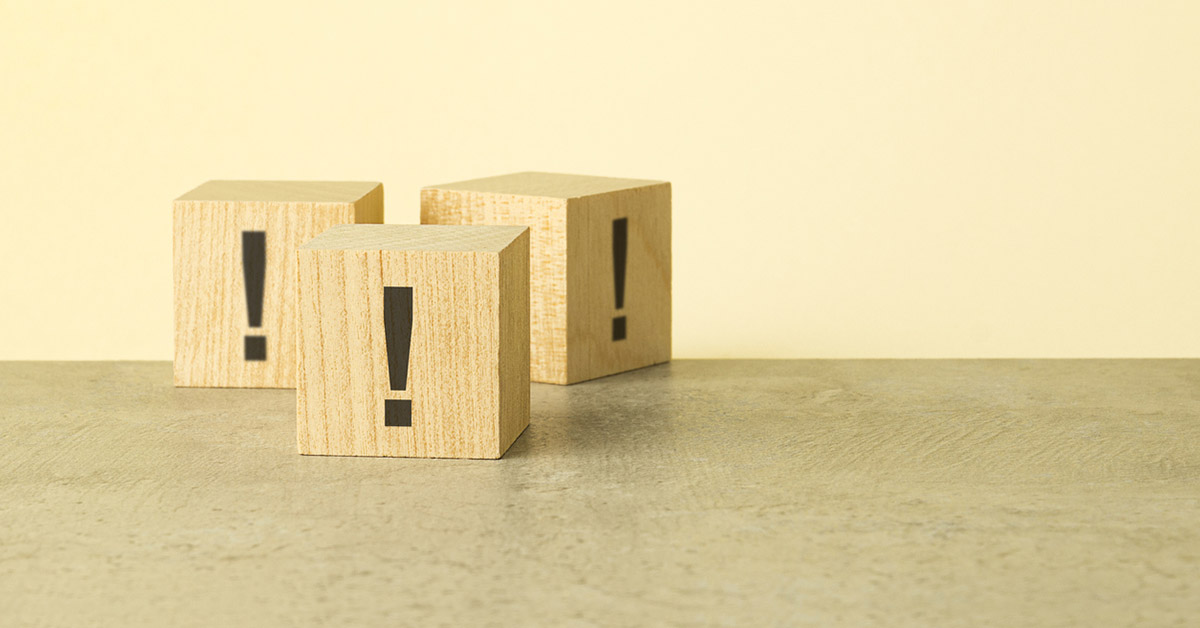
(254, 269)
(620, 246)
(397, 333)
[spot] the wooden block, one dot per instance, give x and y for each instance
(600, 258)
(413, 341)
(235, 274)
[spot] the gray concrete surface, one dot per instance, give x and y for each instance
(747, 493)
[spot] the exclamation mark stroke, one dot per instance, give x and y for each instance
(620, 248)
(254, 270)
(397, 332)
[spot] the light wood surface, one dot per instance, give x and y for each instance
(697, 493)
(468, 366)
(211, 320)
(546, 185)
(572, 284)
(283, 191)
(547, 222)
(592, 352)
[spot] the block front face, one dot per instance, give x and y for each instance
(573, 286)
(547, 222)
(455, 323)
(235, 275)
(619, 281)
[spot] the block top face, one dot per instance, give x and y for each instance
(464, 238)
(546, 184)
(282, 191)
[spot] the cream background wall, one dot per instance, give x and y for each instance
(852, 179)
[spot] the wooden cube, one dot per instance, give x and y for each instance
(235, 274)
(413, 341)
(600, 258)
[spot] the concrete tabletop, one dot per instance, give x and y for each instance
(740, 493)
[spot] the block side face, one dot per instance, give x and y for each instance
(213, 330)
(592, 282)
(514, 341)
(452, 381)
(318, 276)
(545, 184)
(369, 208)
(547, 222)
(337, 294)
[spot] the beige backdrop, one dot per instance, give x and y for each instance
(851, 179)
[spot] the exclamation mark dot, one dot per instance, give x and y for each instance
(620, 248)
(254, 269)
(397, 333)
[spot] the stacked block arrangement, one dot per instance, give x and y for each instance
(413, 341)
(235, 276)
(600, 262)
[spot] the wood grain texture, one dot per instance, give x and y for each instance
(572, 294)
(956, 494)
(591, 308)
(211, 319)
(468, 368)
(547, 222)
